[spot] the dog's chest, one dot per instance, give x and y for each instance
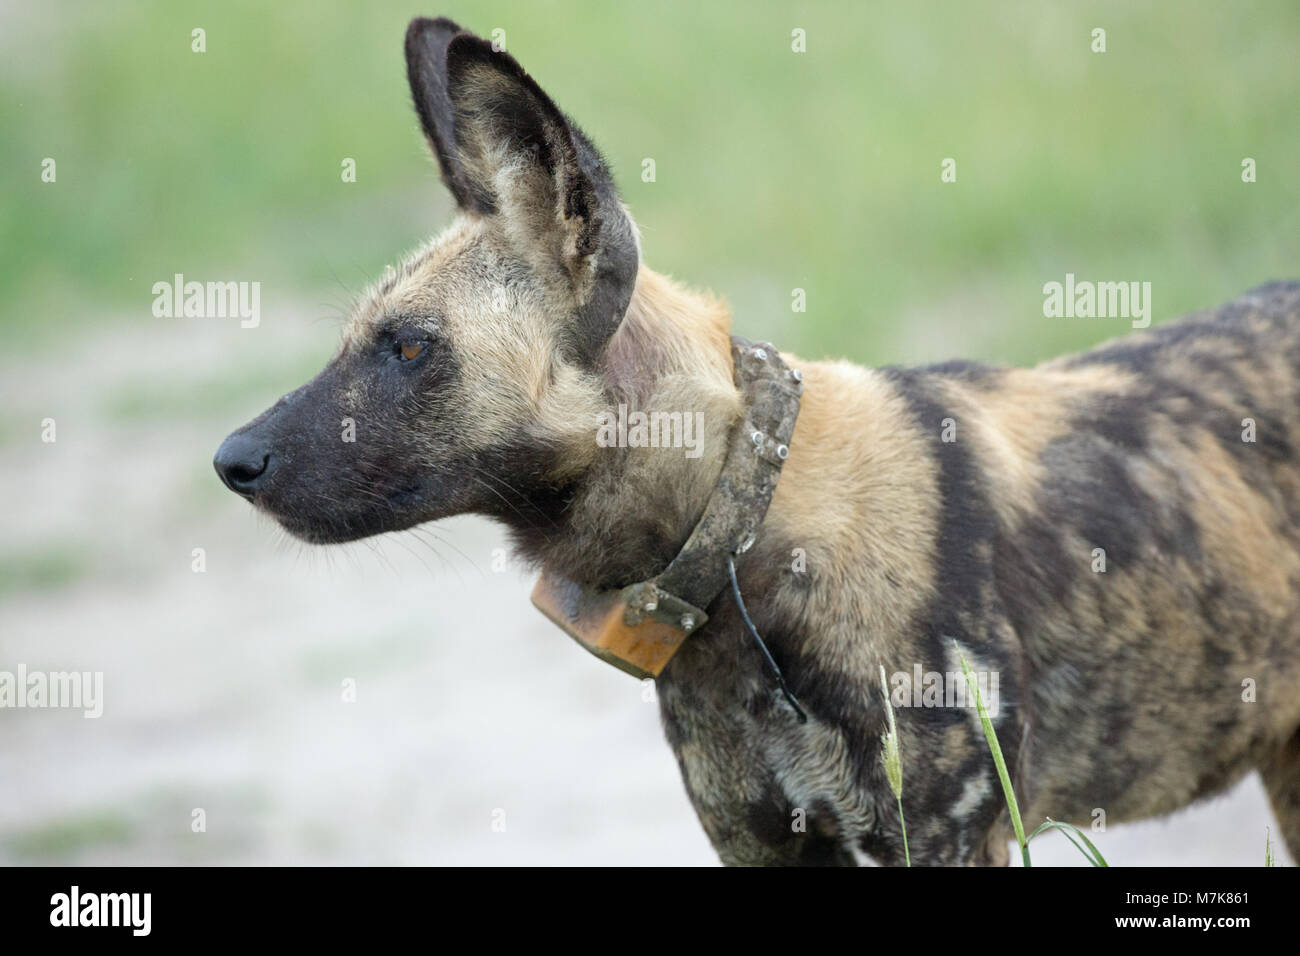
(767, 789)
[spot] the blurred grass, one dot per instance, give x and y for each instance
(774, 169)
(65, 837)
(56, 567)
(151, 823)
(144, 402)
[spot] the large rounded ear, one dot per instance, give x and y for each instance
(426, 71)
(506, 150)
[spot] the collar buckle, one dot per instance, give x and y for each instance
(637, 629)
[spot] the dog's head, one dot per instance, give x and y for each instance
(463, 377)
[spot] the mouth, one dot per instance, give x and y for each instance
(351, 520)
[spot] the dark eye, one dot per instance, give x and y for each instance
(404, 342)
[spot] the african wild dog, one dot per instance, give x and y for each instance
(476, 375)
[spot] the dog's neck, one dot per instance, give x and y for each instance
(630, 509)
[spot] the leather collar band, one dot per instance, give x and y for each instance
(638, 628)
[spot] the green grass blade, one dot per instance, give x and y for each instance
(1094, 857)
(1012, 807)
(907, 855)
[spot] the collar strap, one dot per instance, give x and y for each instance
(638, 628)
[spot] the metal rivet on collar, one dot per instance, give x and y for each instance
(782, 452)
(758, 438)
(688, 622)
(760, 354)
(796, 375)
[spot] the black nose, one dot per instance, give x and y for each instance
(243, 463)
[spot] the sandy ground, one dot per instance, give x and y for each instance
(224, 689)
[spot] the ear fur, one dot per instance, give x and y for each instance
(506, 150)
(519, 154)
(426, 72)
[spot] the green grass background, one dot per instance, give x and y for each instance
(775, 170)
